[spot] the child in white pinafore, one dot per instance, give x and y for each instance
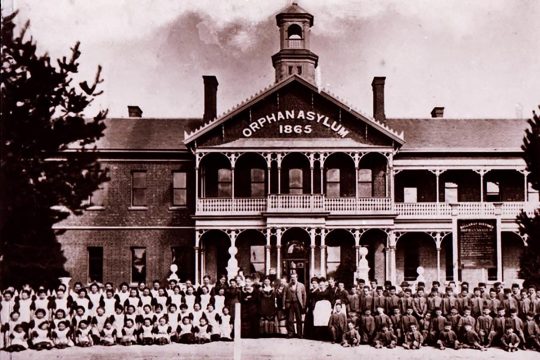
(118, 319)
(42, 302)
(213, 320)
(225, 325)
(189, 298)
(129, 333)
(163, 332)
(98, 323)
(40, 337)
(205, 297)
(108, 335)
(203, 332)
(18, 341)
(185, 331)
(61, 335)
(83, 337)
(219, 301)
(173, 319)
(197, 314)
(176, 297)
(24, 303)
(146, 335)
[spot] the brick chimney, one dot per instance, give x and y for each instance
(210, 97)
(134, 111)
(378, 98)
(437, 112)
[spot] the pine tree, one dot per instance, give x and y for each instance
(42, 180)
(530, 226)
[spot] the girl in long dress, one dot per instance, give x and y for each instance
(321, 311)
(267, 308)
(308, 320)
(281, 313)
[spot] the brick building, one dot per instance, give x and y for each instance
(295, 178)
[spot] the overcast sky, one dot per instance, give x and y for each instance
(476, 58)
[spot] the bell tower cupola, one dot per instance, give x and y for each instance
(294, 56)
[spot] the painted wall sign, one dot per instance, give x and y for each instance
(477, 243)
(305, 120)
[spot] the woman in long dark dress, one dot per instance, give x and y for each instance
(308, 320)
(267, 308)
(232, 296)
(322, 310)
(249, 298)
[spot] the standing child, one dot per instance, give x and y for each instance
(219, 300)
(366, 325)
(337, 324)
(225, 325)
(24, 307)
(98, 323)
(61, 335)
(483, 325)
(351, 337)
(117, 319)
(413, 339)
(213, 320)
(532, 332)
(173, 319)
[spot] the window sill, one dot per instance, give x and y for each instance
(96, 208)
(137, 208)
(177, 207)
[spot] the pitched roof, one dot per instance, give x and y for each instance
(435, 134)
(205, 127)
(145, 134)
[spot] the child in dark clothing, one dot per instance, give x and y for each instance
(448, 337)
(385, 338)
(337, 324)
(367, 327)
(532, 332)
(413, 339)
(470, 338)
(510, 341)
(351, 337)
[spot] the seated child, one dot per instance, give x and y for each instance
(203, 332)
(532, 332)
(470, 338)
(197, 314)
(40, 337)
(385, 337)
(173, 319)
(351, 337)
(83, 337)
(163, 331)
(18, 341)
(413, 339)
(117, 319)
(225, 325)
(146, 332)
(213, 320)
(337, 324)
(510, 341)
(107, 334)
(129, 333)
(61, 335)
(98, 323)
(186, 331)
(448, 337)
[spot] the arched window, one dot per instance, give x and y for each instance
(294, 32)
(224, 183)
(296, 181)
(365, 183)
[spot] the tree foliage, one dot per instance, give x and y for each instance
(48, 166)
(530, 226)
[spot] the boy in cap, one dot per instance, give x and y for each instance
(385, 338)
(351, 337)
(470, 338)
(532, 332)
(413, 339)
(510, 341)
(447, 337)
(483, 326)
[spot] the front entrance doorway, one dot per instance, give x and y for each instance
(295, 254)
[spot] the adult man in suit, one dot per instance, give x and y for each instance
(294, 302)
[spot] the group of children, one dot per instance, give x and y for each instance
(62, 318)
(381, 316)
(507, 318)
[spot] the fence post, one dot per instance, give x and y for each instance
(237, 331)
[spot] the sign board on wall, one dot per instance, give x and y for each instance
(477, 243)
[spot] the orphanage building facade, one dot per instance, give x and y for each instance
(294, 178)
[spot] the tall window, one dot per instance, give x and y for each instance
(332, 183)
(257, 182)
(138, 188)
(410, 194)
(365, 183)
(95, 263)
(492, 191)
(450, 192)
(179, 188)
(138, 264)
(97, 198)
(296, 181)
(411, 260)
(224, 183)
(333, 259)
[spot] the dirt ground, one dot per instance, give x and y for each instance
(290, 349)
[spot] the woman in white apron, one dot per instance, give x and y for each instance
(321, 311)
